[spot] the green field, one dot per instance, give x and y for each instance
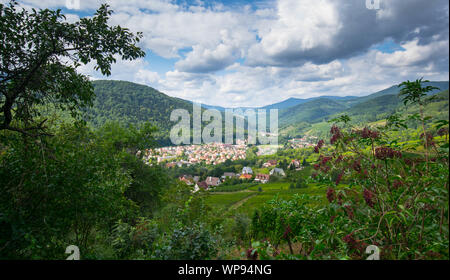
(246, 201)
(226, 200)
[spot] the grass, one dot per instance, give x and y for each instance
(232, 188)
(281, 189)
(217, 200)
(246, 201)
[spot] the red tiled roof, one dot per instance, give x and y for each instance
(246, 176)
(202, 185)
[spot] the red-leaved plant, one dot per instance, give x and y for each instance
(393, 197)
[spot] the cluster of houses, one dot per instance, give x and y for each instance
(214, 153)
(295, 164)
(306, 141)
(246, 174)
(210, 182)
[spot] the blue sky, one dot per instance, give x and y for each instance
(251, 53)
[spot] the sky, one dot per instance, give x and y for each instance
(235, 53)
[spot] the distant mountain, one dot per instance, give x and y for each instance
(133, 103)
(291, 102)
(310, 111)
(368, 108)
(394, 90)
(369, 111)
(349, 100)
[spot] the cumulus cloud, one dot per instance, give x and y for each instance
(254, 55)
(325, 30)
(415, 54)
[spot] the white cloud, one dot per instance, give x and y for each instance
(258, 86)
(144, 76)
(301, 25)
(414, 54)
(290, 48)
(203, 59)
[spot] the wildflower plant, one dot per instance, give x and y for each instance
(393, 198)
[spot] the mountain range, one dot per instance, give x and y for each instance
(134, 103)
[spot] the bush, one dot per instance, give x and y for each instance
(59, 192)
(134, 241)
(194, 242)
(241, 226)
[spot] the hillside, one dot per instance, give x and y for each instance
(394, 90)
(133, 103)
(311, 111)
(128, 102)
(374, 110)
(298, 120)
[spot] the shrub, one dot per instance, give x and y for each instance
(241, 226)
(134, 241)
(194, 242)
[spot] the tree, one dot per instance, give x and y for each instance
(125, 142)
(38, 60)
(414, 92)
(59, 193)
(304, 163)
(128, 138)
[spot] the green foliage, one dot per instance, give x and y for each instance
(414, 92)
(131, 103)
(39, 57)
(134, 241)
(70, 188)
(58, 191)
(301, 183)
(119, 137)
(241, 227)
(194, 242)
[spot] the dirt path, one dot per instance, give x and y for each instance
(240, 202)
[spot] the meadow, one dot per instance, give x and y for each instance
(246, 201)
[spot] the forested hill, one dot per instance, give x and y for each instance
(372, 107)
(369, 111)
(133, 103)
(310, 111)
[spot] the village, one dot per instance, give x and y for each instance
(210, 154)
(247, 175)
(218, 153)
(306, 141)
(214, 153)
